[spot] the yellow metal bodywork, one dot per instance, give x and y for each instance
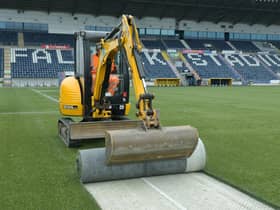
(70, 96)
(70, 101)
(129, 41)
(127, 108)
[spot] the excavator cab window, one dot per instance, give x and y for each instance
(117, 91)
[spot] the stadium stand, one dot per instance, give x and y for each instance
(40, 63)
(276, 44)
(37, 39)
(176, 60)
(196, 44)
(254, 67)
(218, 45)
(1, 63)
(270, 61)
(210, 66)
(173, 44)
(265, 46)
(250, 68)
(8, 38)
(245, 46)
(153, 44)
(181, 67)
(156, 66)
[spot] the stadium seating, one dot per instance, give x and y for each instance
(153, 44)
(37, 39)
(218, 45)
(173, 44)
(181, 67)
(250, 68)
(210, 66)
(40, 63)
(271, 61)
(8, 38)
(196, 44)
(1, 63)
(245, 46)
(258, 68)
(155, 66)
(276, 44)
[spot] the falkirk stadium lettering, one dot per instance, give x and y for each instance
(233, 59)
(36, 55)
(209, 59)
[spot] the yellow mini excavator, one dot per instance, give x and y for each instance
(133, 148)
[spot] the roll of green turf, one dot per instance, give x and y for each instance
(92, 167)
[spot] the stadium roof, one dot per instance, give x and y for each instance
(265, 12)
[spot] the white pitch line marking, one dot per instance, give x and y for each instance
(47, 91)
(18, 113)
(45, 95)
(178, 205)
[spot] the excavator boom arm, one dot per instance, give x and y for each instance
(124, 38)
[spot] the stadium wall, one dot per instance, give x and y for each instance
(67, 23)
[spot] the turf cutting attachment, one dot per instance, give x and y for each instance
(74, 133)
(132, 153)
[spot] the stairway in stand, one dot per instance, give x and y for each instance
(7, 82)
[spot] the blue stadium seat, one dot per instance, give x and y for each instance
(173, 44)
(245, 46)
(40, 63)
(218, 45)
(37, 39)
(1, 63)
(153, 44)
(155, 66)
(8, 38)
(210, 66)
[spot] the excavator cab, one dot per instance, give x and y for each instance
(116, 89)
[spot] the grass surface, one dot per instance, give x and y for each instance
(239, 126)
(37, 171)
